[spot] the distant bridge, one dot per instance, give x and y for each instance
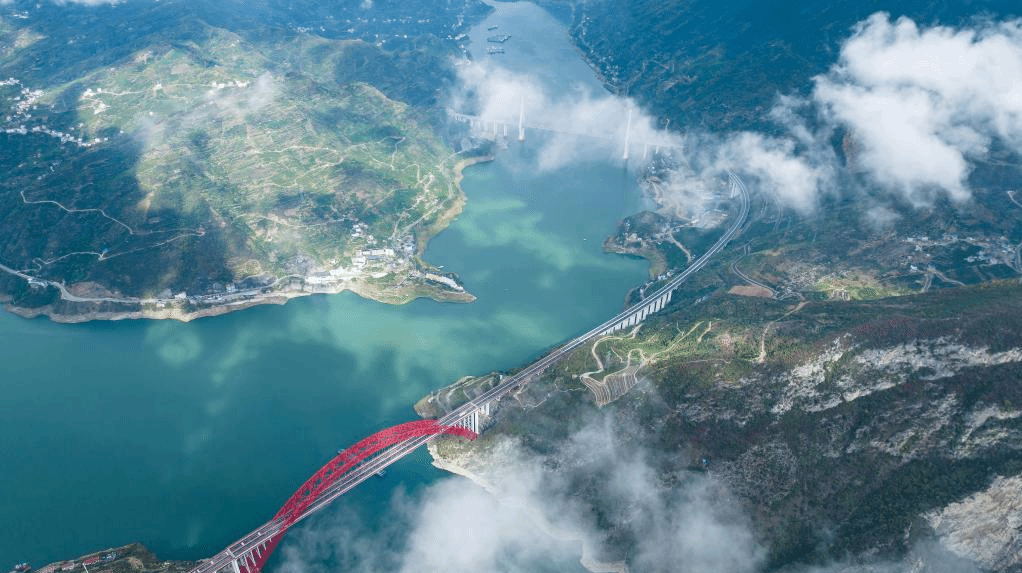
(500, 127)
(371, 455)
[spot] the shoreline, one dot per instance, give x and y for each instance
(131, 557)
(71, 309)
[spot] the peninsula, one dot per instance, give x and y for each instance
(197, 170)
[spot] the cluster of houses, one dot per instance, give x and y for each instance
(25, 103)
(371, 255)
(81, 564)
(992, 250)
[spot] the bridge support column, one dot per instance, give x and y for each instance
(521, 121)
(234, 566)
(628, 134)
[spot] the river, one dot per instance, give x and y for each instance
(186, 436)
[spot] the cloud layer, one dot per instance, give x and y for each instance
(539, 523)
(541, 518)
(924, 103)
(919, 107)
(579, 125)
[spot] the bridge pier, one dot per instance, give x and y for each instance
(628, 133)
(639, 315)
(474, 421)
(521, 121)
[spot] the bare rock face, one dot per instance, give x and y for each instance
(986, 527)
(847, 431)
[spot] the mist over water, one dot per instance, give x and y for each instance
(186, 436)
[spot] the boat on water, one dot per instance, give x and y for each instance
(492, 28)
(494, 50)
(499, 38)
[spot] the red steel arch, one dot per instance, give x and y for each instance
(343, 462)
(349, 458)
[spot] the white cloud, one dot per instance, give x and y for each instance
(922, 104)
(584, 126)
(780, 171)
(578, 126)
(779, 166)
(457, 527)
(538, 520)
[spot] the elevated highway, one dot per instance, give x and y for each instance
(371, 455)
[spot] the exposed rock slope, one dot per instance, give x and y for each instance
(846, 429)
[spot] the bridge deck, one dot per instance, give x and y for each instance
(254, 548)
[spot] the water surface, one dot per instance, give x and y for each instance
(186, 436)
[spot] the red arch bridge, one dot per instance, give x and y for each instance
(342, 473)
(361, 461)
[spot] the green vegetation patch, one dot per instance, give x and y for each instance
(206, 158)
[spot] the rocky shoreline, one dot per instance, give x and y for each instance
(69, 312)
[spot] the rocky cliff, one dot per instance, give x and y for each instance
(845, 431)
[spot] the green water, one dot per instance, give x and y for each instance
(186, 436)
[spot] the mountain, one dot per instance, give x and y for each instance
(722, 65)
(191, 157)
(846, 430)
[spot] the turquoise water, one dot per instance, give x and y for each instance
(186, 436)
